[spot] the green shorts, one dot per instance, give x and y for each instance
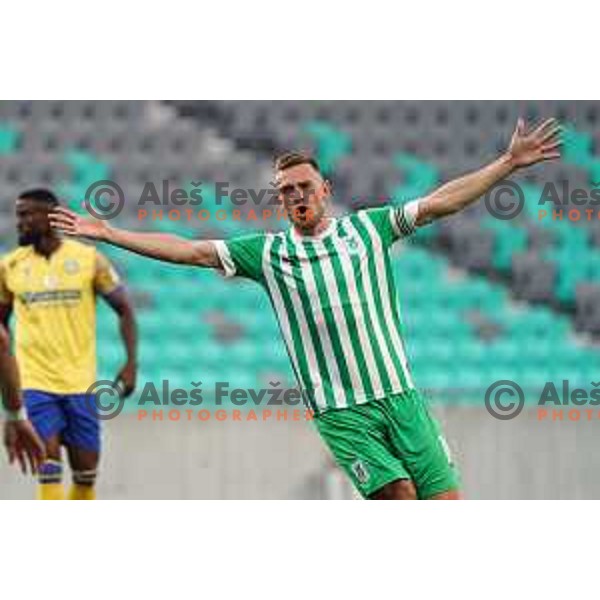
(385, 440)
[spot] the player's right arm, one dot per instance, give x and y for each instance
(9, 380)
(160, 246)
(22, 443)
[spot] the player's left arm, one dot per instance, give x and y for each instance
(108, 284)
(526, 148)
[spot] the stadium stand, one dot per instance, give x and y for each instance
(503, 296)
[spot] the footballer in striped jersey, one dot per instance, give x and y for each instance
(332, 289)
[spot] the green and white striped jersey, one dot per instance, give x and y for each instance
(335, 300)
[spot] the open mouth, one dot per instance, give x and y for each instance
(303, 212)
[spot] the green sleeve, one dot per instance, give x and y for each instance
(393, 222)
(242, 256)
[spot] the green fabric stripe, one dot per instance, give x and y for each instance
(310, 320)
(303, 376)
(365, 236)
(396, 315)
(348, 311)
(332, 326)
(377, 355)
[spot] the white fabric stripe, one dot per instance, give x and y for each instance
(317, 310)
(227, 263)
(377, 324)
(359, 317)
(394, 221)
(406, 215)
(340, 318)
(411, 211)
(385, 294)
(282, 316)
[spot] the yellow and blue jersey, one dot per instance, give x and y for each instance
(54, 301)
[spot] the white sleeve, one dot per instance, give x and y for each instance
(404, 218)
(227, 263)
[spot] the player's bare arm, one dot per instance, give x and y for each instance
(526, 148)
(164, 247)
(120, 302)
(20, 439)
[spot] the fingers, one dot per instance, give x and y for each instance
(65, 222)
(551, 155)
(550, 150)
(21, 459)
(551, 146)
(551, 133)
(35, 454)
(63, 210)
(12, 453)
(548, 123)
(29, 456)
(31, 459)
(25, 448)
(40, 450)
(547, 135)
(545, 131)
(62, 218)
(519, 129)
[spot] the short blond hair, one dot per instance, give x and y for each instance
(287, 160)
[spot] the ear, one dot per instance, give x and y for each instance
(328, 187)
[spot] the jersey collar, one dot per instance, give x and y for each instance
(298, 237)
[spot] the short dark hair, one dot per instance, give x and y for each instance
(287, 160)
(40, 195)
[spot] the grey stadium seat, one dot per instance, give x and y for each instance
(533, 279)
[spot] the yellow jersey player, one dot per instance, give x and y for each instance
(52, 285)
(20, 439)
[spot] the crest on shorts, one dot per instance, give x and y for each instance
(360, 471)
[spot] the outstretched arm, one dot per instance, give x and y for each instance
(525, 149)
(160, 246)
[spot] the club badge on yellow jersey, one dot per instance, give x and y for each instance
(55, 314)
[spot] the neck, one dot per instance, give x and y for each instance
(319, 228)
(47, 245)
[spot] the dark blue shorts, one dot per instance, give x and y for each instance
(71, 416)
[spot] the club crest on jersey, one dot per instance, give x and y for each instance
(71, 266)
(351, 244)
(360, 471)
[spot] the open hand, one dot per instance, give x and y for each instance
(70, 223)
(23, 445)
(528, 148)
